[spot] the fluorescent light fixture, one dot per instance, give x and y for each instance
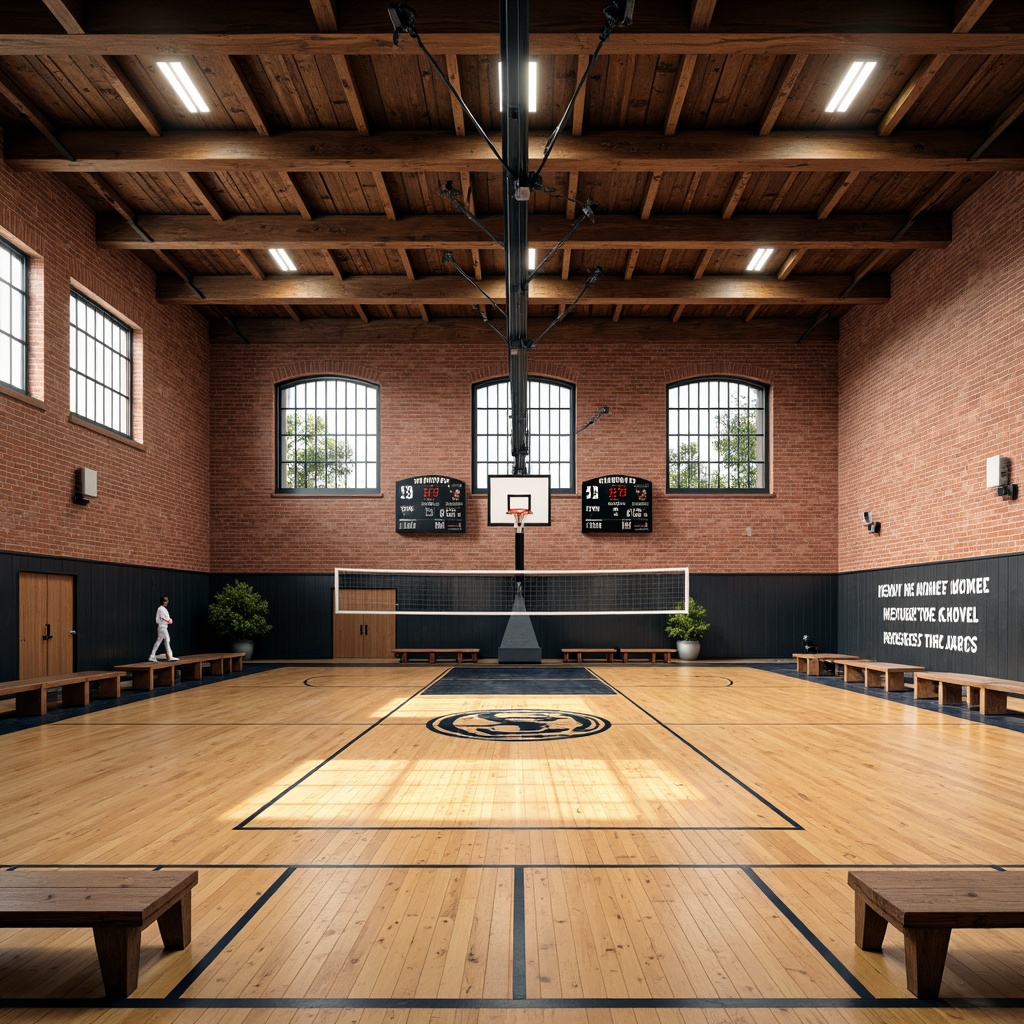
(850, 86)
(531, 259)
(282, 259)
(175, 73)
(531, 78)
(759, 259)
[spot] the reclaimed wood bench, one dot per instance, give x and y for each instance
(875, 674)
(926, 906)
(665, 653)
(577, 653)
(146, 674)
(403, 653)
(31, 695)
(986, 693)
(814, 664)
(116, 905)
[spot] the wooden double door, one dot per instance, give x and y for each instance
(46, 624)
(364, 635)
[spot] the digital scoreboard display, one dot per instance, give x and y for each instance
(430, 504)
(617, 504)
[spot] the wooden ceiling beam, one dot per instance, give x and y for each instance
(204, 195)
(131, 97)
(335, 330)
(348, 87)
(640, 40)
(701, 12)
(580, 106)
(247, 97)
(609, 231)
(597, 152)
(1001, 123)
(684, 75)
(836, 193)
(715, 289)
(70, 14)
(250, 264)
(791, 72)
(298, 199)
(451, 63)
(967, 13)
(326, 15)
(33, 114)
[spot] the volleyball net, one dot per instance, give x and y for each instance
(487, 592)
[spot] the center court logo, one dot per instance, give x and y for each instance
(519, 724)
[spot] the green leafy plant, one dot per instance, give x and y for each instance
(689, 624)
(238, 612)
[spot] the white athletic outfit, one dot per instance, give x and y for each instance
(163, 620)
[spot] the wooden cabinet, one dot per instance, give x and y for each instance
(359, 634)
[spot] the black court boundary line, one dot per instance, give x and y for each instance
(244, 825)
(175, 999)
(791, 823)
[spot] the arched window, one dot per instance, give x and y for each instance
(552, 432)
(717, 436)
(327, 436)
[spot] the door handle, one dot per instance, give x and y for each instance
(72, 632)
(47, 635)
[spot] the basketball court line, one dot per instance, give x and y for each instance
(176, 999)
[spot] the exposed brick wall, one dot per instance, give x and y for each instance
(153, 504)
(932, 384)
(426, 402)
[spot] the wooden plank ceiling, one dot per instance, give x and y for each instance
(701, 135)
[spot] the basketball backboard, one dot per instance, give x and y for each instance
(508, 492)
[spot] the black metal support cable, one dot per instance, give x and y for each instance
(568, 309)
(452, 194)
(450, 259)
(586, 214)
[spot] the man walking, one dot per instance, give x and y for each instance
(163, 636)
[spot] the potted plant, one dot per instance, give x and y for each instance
(238, 612)
(687, 627)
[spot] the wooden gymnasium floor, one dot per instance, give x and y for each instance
(686, 863)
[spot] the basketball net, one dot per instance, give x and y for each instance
(520, 514)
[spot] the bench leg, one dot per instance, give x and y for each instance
(925, 688)
(925, 950)
(868, 925)
(31, 703)
(176, 923)
(118, 948)
(950, 693)
(991, 702)
(872, 680)
(109, 688)
(194, 670)
(74, 695)
(216, 667)
(853, 674)
(894, 682)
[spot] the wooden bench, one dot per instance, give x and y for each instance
(876, 674)
(30, 695)
(986, 693)
(116, 905)
(608, 653)
(814, 664)
(403, 653)
(146, 674)
(926, 906)
(652, 652)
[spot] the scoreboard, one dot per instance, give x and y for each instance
(430, 504)
(617, 504)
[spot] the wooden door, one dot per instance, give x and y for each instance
(379, 630)
(46, 624)
(364, 636)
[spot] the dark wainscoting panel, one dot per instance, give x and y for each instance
(962, 616)
(751, 615)
(115, 607)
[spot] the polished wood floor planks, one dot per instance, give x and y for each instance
(686, 863)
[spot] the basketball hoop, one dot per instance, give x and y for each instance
(520, 514)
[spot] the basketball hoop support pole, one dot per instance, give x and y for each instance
(520, 550)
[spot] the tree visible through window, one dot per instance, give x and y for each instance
(717, 436)
(328, 436)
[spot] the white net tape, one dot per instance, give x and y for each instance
(485, 592)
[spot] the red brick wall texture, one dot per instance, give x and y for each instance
(932, 384)
(154, 493)
(426, 402)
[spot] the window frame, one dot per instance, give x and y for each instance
(280, 412)
(127, 358)
(11, 289)
(536, 466)
(673, 441)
